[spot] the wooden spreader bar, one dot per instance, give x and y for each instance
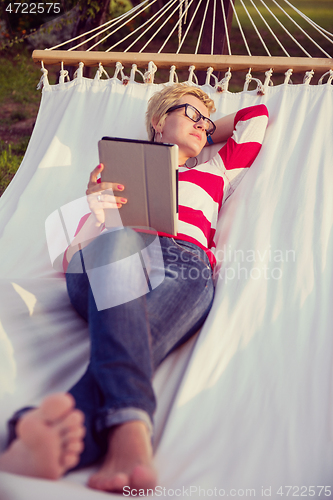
(184, 61)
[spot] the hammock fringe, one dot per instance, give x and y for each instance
(239, 63)
(183, 61)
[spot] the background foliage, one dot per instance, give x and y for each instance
(19, 99)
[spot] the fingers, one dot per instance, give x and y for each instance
(99, 201)
(100, 195)
(94, 174)
(105, 199)
(95, 187)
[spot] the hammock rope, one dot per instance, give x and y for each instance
(256, 29)
(285, 29)
(188, 27)
(226, 31)
(119, 27)
(160, 27)
(165, 15)
(318, 28)
(183, 7)
(149, 22)
(201, 29)
(108, 24)
(330, 77)
(302, 30)
(183, 15)
(213, 29)
(241, 29)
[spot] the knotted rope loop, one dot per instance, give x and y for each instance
(192, 75)
(308, 77)
(119, 69)
(287, 75)
(133, 71)
(63, 74)
(329, 80)
(173, 78)
(223, 85)
(209, 75)
(261, 89)
(79, 72)
(100, 71)
(268, 80)
(149, 75)
(43, 82)
(248, 79)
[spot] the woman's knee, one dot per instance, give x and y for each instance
(112, 246)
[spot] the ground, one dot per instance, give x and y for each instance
(19, 103)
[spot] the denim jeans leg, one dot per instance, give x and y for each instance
(120, 369)
(179, 307)
(129, 340)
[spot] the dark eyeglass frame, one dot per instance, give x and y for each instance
(212, 126)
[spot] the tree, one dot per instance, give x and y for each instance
(92, 13)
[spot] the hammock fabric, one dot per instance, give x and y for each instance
(248, 402)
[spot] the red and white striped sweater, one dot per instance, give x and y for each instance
(204, 188)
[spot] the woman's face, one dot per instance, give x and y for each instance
(178, 129)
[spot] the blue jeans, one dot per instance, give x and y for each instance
(129, 340)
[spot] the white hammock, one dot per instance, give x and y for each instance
(248, 403)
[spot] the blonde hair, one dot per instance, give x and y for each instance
(160, 102)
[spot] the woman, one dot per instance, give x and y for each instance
(130, 340)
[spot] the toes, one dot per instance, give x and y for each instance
(74, 434)
(74, 447)
(70, 460)
(71, 423)
(116, 483)
(56, 407)
(144, 477)
(71, 429)
(73, 420)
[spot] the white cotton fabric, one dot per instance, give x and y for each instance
(245, 134)
(247, 403)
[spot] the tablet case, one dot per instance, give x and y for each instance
(149, 172)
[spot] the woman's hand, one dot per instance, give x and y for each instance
(99, 197)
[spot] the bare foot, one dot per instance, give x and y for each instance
(49, 442)
(128, 461)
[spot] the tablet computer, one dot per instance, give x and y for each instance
(149, 172)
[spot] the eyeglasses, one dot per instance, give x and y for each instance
(195, 115)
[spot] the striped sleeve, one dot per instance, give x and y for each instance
(243, 146)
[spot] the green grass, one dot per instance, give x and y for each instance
(18, 77)
(9, 163)
(319, 11)
(19, 100)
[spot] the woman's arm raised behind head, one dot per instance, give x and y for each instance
(224, 128)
